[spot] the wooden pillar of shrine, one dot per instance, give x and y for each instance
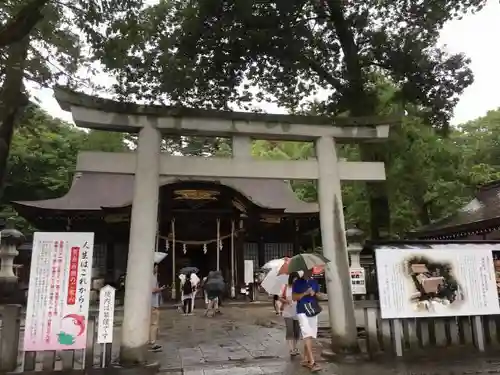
(110, 260)
(239, 252)
(261, 253)
(296, 238)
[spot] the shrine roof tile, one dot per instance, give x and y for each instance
(93, 191)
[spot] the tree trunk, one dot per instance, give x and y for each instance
(12, 100)
(362, 103)
(19, 26)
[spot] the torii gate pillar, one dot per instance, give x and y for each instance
(333, 240)
(142, 245)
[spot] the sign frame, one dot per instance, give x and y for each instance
(106, 316)
(57, 309)
(442, 280)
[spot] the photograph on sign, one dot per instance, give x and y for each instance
(451, 280)
(106, 315)
(58, 292)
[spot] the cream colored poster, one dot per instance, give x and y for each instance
(445, 280)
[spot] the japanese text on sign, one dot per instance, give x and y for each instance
(58, 293)
(106, 315)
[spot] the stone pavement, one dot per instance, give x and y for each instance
(287, 367)
(284, 367)
(239, 335)
(250, 341)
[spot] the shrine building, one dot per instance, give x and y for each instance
(258, 219)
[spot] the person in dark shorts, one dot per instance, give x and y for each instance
(212, 306)
(213, 286)
(304, 291)
(289, 313)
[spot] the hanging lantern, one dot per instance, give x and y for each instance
(204, 248)
(220, 245)
(167, 246)
(184, 248)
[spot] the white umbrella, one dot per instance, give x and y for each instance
(195, 280)
(273, 283)
(275, 263)
(159, 256)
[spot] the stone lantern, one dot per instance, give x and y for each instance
(355, 239)
(10, 239)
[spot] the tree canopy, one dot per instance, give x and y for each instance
(366, 58)
(43, 157)
(218, 53)
(45, 42)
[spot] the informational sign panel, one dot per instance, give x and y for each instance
(106, 315)
(358, 284)
(58, 294)
(444, 280)
(249, 272)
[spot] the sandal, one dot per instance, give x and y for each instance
(314, 367)
(304, 363)
(294, 352)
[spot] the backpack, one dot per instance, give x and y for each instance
(187, 288)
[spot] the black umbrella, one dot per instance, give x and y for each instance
(214, 275)
(215, 285)
(189, 270)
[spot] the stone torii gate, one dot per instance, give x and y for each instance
(147, 163)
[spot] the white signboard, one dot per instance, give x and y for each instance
(106, 315)
(358, 285)
(58, 294)
(249, 272)
(444, 280)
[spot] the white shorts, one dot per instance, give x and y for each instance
(308, 325)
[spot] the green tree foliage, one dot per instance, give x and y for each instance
(428, 177)
(47, 42)
(210, 53)
(43, 157)
(60, 41)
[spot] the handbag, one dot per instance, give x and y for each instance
(312, 308)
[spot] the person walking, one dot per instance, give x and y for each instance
(304, 291)
(276, 304)
(202, 287)
(155, 311)
(289, 313)
(213, 286)
(187, 296)
(195, 282)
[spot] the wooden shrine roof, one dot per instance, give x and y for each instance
(93, 191)
(481, 213)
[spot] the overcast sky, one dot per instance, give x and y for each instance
(475, 35)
